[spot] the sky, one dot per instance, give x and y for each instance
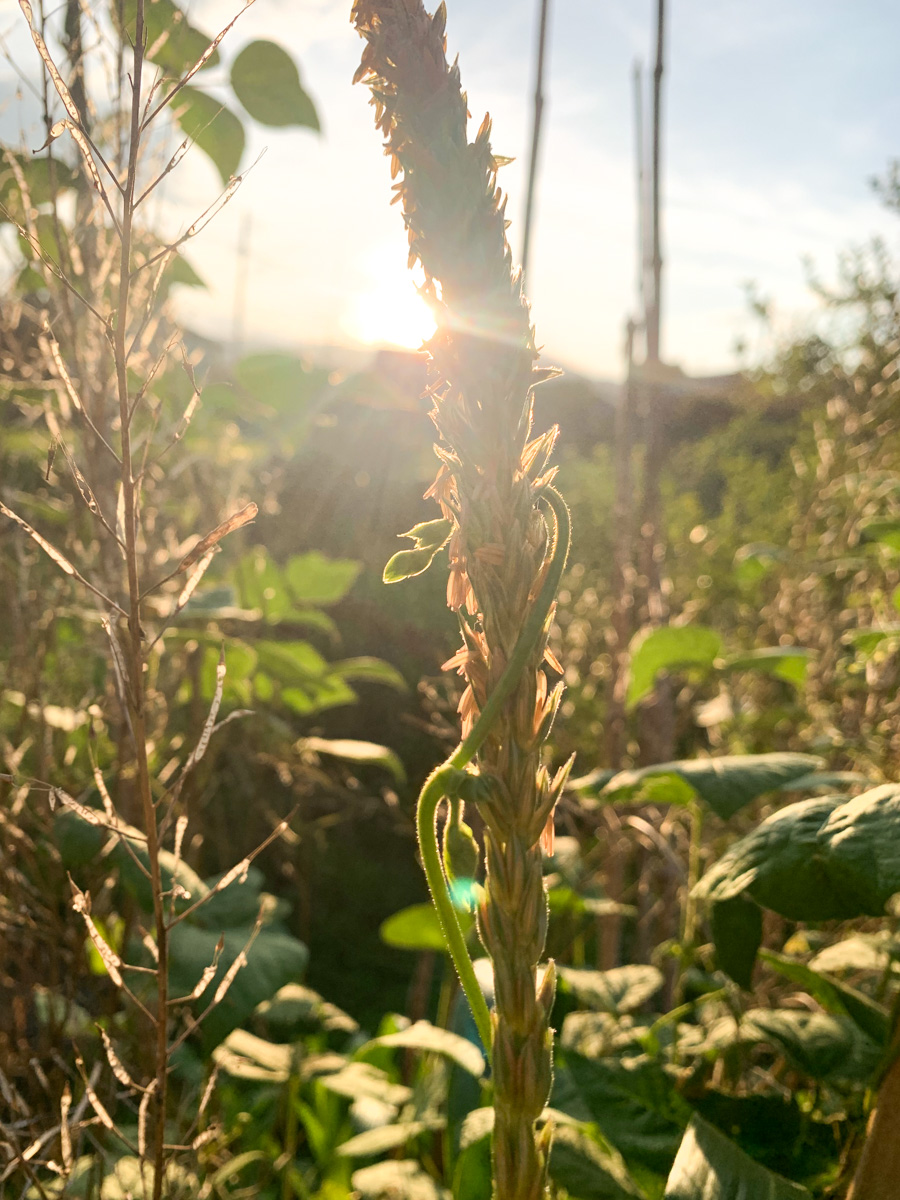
(776, 117)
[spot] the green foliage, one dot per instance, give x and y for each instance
(418, 928)
(172, 42)
(727, 784)
(266, 81)
(584, 1163)
(710, 1167)
(783, 662)
(430, 537)
(667, 649)
(425, 1037)
(82, 843)
(212, 126)
(350, 750)
(619, 990)
(819, 860)
(820, 1045)
(869, 1017)
(633, 1102)
(736, 925)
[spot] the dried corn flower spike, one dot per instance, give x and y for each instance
(483, 370)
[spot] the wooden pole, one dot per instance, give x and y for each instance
(241, 280)
(653, 308)
(643, 250)
(535, 133)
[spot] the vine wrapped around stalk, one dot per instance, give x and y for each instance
(491, 478)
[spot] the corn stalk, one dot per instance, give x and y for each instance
(490, 484)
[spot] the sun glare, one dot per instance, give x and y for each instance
(390, 312)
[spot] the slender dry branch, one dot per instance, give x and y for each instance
(134, 649)
(198, 65)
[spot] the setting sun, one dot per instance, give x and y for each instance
(390, 310)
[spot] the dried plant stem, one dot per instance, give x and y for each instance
(134, 651)
(490, 486)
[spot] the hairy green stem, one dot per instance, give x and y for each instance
(444, 780)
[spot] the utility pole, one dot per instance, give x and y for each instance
(643, 250)
(535, 132)
(653, 308)
(241, 275)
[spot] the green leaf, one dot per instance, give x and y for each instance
(399, 1179)
(180, 271)
(372, 670)
(618, 990)
(418, 928)
(354, 751)
(668, 649)
(566, 902)
(42, 180)
(213, 127)
(383, 1138)
(821, 1045)
(472, 1173)
(266, 81)
(424, 1036)
(284, 383)
(593, 783)
(772, 1129)
(737, 928)
(27, 281)
(430, 535)
(784, 662)
(172, 42)
(633, 1101)
(726, 784)
(834, 997)
(868, 640)
(407, 563)
(860, 952)
(128, 1176)
(362, 1079)
(818, 860)
(229, 1171)
(295, 1010)
(885, 532)
(756, 560)
(823, 779)
(262, 587)
(240, 664)
(274, 959)
(291, 663)
(81, 843)
(863, 840)
(329, 692)
(236, 904)
(315, 579)
(246, 1056)
(709, 1166)
(588, 1167)
(46, 230)
(658, 784)
(781, 865)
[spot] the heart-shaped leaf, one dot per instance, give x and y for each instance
(267, 82)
